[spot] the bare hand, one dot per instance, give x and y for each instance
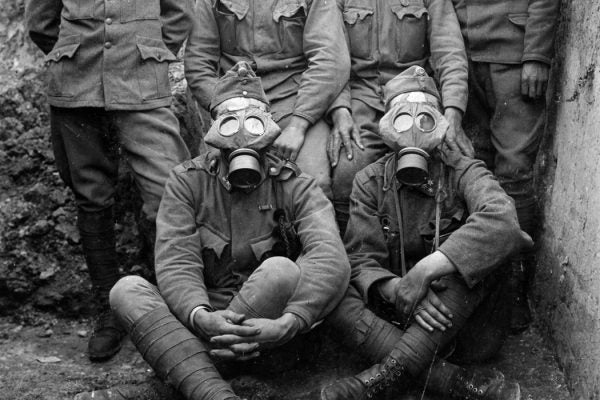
(432, 314)
(209, 324)
(456, 136)
(237, 352)
(344, 131)
(291, 139)
(534, 79)
(273, 332)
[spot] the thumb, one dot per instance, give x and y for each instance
(233, 317)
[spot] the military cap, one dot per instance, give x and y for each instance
(413, 79)
(239, 81)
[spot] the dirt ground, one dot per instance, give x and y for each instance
(45, 359)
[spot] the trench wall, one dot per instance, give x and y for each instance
(567, 288)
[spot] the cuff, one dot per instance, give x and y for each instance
(364, 281)
(447, 249)
(191, 323)
(307, 117)
(536, 57)
(305, 319)
(456, 102)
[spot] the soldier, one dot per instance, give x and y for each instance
(296, 47)
(247, 256)
(108, 87)
(385, 38)
(428, 229)
(510, 46)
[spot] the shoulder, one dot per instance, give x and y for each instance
(373, 171)
(202, 163)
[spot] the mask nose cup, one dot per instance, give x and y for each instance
(244, 168)
(412, 166)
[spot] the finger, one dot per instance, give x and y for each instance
(228, 339)
(356, 137)
(235, 318)
(431, 318)
(226, 354)
(435, 301)
(438, 286)
(334, 156)
(294, 155)
(524, 86)
(244, 348)
(532, 84)
(423, 324)
(539, 92)
(239, 330)
(347, 144)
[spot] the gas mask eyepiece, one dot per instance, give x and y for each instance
(244, 168)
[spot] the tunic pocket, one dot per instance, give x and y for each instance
(291, 17)
(227, 14)
(359, 25)
(519, 19)
(153, 69)
(411, 31)
(133, 10)
(78, 9)
(61, 65)
(216, 259)
(265, 247)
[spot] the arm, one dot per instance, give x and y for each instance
(324, 268)
(43, 22)
(176, 18)
(539, 31)
(364, 239)
(202, 53)
(179, 267)
(491, 233)
(328, 61)
(449, 60)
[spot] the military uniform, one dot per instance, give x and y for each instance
(385, 38)
(500, 36)
(108, 86)
(261, 253)
(297, 49)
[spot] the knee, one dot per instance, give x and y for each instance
(124, 290)
(342, 178)
(281, 273)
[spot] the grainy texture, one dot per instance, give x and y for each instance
(567, 294)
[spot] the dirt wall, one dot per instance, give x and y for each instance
(568, 277)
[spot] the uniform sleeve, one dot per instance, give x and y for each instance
(179, 267)
(176, 18)
(491, 233)
(324, 267)
(364, 239)
(202, 54)
(328, 61)
(43, 22)
(448, 55)
(539, 30)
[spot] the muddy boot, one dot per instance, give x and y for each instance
(520, 318)
(369, 382)
(98, 241)
(178, 357)
(481, 384)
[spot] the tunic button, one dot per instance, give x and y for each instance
(108, 45)
(245, 93)
(108, 21)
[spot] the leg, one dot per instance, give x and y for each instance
(266, 292)
(152, 146)
(176, 354)
(367, 120)
(517, 127)
(87, 160)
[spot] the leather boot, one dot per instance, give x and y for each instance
(520, 318)
(482, 384)
(369, 382)
(98, 242)
(178, 357)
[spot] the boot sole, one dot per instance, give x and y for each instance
(104, 356)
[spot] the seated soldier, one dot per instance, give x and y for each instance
(247, 252)
(428, 230)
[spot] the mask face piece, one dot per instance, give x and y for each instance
(241, 134)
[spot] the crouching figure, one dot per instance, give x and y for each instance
(428, 234)
(248, 255)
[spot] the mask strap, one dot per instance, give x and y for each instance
(400, 224)
(440, 196)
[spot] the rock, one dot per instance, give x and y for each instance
(47, 360)
(69, 231)
(82, 333)
(41, 228)
(47, 273)
(46, 333)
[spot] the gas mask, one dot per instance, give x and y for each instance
(241, 130)
(413, 127)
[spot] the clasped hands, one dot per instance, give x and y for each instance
(233, 337)
(415, 294)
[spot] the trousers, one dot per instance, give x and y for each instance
(479, 326)
(506, 130)
(87, 143)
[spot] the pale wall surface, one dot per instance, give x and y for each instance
(568, 278)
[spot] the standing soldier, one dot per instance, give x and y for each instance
(510, 46)
(386, 37)
(298, 50)
(108, 87)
